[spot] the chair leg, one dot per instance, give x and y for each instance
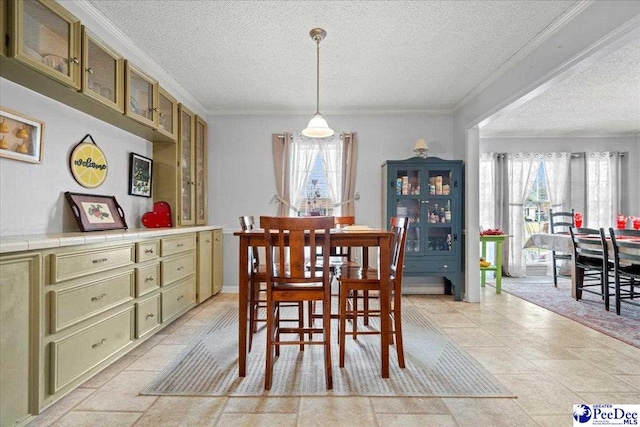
(365, 306)
(554, 269)
(579, 276)
(301, 323)
(342, 321)
(397, 319)
(326, 329)
(253, 308)
(268, 370)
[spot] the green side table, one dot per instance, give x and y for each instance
(497, 262)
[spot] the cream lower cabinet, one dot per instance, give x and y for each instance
(217, 261)
(209, 264)
(68, 312)
(19, 347)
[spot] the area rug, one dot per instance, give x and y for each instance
(435, 366)
(589, 310)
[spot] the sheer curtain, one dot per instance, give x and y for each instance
(281, 144)
(488, 193)
(349, 162)
(557, 168)
(331, 152)
(603, 189)
(522, 169)
(303, 154)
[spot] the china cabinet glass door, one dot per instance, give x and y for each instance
(201, 171)
(438, 211)
(187, 171)
(47, 38)
(408, 204)
(167, 114)
(103, 72)
(141, 96)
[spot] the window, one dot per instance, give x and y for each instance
(536, 215)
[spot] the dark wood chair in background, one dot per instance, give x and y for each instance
(289, 279)
(591, 263)
(353, 280)
(258, 279)
(559, 223)
(626, 258)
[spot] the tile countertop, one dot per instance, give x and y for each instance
(29, 242)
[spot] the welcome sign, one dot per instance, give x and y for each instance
(88, 164)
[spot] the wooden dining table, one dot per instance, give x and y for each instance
(338, 238)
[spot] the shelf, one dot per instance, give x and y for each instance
(25, 76)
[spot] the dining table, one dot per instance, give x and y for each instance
(364, 238)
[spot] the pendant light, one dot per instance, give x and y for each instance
(317, 127)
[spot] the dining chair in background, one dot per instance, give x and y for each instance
(289, 279)
(354, 280)
(592, 267)
(626, 257)
(559, 223)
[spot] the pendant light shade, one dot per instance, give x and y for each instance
(317, 127)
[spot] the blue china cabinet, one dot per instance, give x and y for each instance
(429, 191)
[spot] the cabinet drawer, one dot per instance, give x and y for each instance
(70, 306)
(147, 315)
(77, 264)
(179, 267)
(177, 298)
(147, 250)
(173, 245)
(147, 279)
(76, 354)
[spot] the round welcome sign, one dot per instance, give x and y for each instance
(88, 164)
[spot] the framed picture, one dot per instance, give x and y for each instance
(20, 137)
(140, 175)
(94, 212)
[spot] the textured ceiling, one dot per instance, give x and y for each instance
(378, 57)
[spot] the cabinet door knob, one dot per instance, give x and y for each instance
(90, 70)
(445, 266)
(74, 60)
(161, 114)
(148, 251)
(150, 315)
(208, 240)
(149, 279)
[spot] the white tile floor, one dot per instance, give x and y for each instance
(548, 361)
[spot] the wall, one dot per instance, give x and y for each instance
(243, 180)
(631, 146)
(32, 195)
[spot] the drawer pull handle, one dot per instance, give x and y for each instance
(99, 343)
(180, 268)
(151, 315)
(99, 297)
(148, 251)
(445, 266)
(180, 297)
(99, 260)
(179, 245)
(208, 240)
(149, 279)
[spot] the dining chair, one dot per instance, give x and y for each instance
(258, 277)
(559, 223)
(592, 266)
(626, 257)
(289, 279)
(353, 280)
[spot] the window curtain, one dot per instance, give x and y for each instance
(488, 193)
(603, 189)
(557, 168)
(522, 169)
(349, 161)
(281, 144)
(331, 152)
(303, 155)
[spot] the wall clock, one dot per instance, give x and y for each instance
(88, 163)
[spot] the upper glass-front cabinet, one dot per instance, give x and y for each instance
(141, 96)
(47, 38)
(186, 163)
(167, 114)
(103, 72)
(201, 171)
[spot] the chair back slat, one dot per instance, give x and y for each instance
(560, 222)
(589, 243)
(248, 223)
(399, 228)
(626, 246)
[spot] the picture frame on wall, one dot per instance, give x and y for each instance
(20, 136)
(140, 175)
(96, 212)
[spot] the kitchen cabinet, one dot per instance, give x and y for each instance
(200, 171)
(103, 72)
(205, 265)
(218, 269)
(167, 114)
(141, 96)
(430, 193)
(46, 37)
(186, 169)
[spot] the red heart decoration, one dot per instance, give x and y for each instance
(160, 216)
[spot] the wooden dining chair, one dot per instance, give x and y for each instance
(626, 257)
(592, 267)
(354, 280)
(559, 223)
(290, 280)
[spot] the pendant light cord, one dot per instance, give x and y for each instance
(318, 75)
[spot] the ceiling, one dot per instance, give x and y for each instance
(378, 57)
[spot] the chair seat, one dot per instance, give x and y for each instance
(631, 270)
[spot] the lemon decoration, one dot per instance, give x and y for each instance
(88, 164)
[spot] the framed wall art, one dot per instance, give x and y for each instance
(140, 175)
(20, 137)
(94, 212)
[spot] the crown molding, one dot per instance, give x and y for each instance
(549, 135)
(329, 113)
(534, 43)
(142, 59)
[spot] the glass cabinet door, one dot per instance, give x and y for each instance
(141, 96)
(187, 172)
(103, 71)
(47, 38)
(408, 204)
(440, 214)
(201, 171)
(167, 114)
